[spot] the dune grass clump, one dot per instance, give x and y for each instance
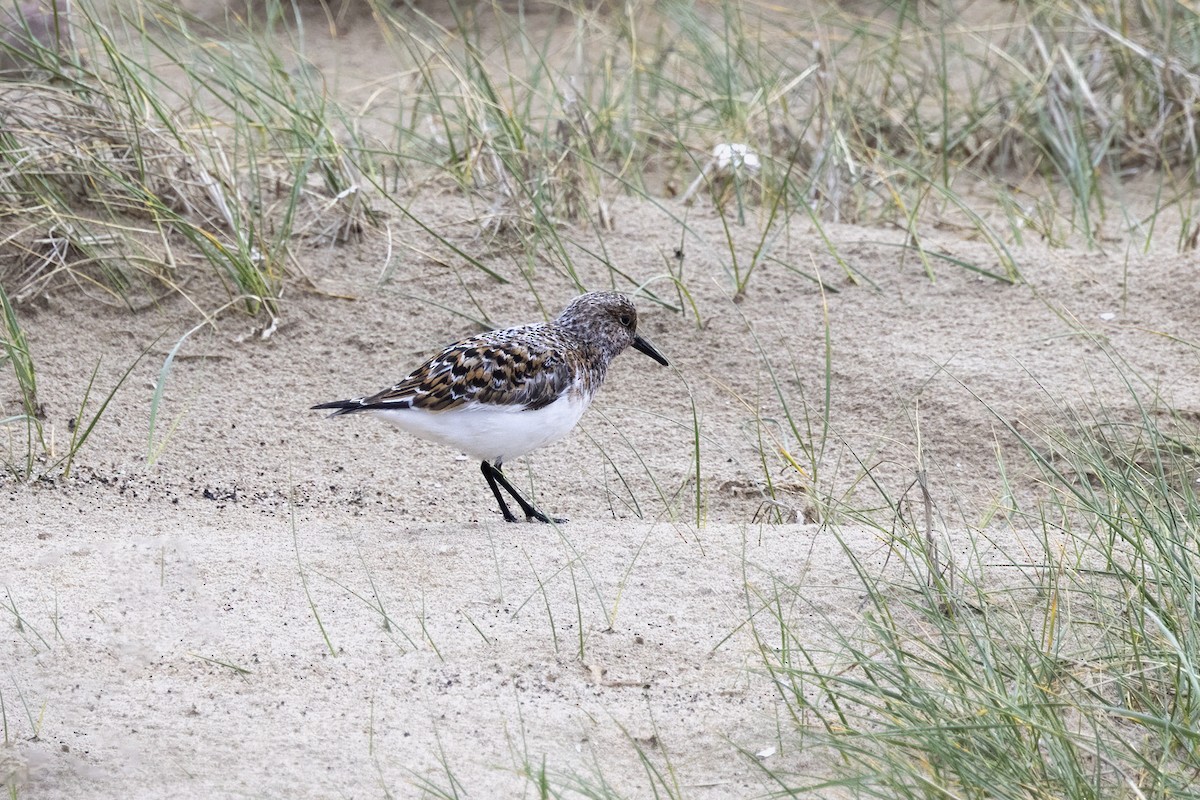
(1062, 664)
(16, 358)
(158, 146)
(1059, 121)
(86, 188)
(151, 157)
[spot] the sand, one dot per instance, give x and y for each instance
(263, 602)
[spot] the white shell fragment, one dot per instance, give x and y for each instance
(732, 157)
(729, 161)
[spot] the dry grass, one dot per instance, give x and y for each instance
(173, 156)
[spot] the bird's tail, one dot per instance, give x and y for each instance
(342, 406)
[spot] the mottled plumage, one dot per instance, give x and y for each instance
(504, 393)
(526, 366)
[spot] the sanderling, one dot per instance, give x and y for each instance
(505, 393)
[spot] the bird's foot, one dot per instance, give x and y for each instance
(533, 515)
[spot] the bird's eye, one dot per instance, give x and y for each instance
(625, 319)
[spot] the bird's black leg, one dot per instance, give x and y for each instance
(488, 471)
(494, 475)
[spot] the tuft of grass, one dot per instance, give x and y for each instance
(374, 600)
(453, 788)
(158, 147)
(1063, 665)
(14, 350)
(81, 429)
(243, 671)
(173, 148)
(22, 461)
(312, 605)
(159, 155)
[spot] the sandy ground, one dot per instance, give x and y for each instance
(261, 602)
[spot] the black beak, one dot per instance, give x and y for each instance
(642, 346)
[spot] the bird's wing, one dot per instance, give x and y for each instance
(502, 368)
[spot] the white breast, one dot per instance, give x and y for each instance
(492, 433)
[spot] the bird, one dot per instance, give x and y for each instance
(499, 395)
